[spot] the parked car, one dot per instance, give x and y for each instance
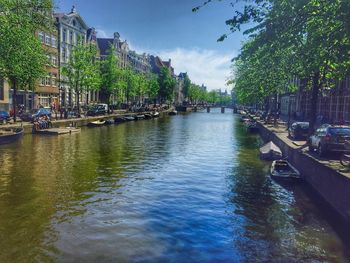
(4, 116)
(35, 113)
(299, 130)
(99, 109)
(329, 138)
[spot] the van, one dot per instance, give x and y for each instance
(103, 106)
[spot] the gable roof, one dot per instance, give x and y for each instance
(103, 45)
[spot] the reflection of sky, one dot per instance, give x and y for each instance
(187, 188)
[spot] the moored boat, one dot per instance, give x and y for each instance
(148, 116)
(129, 118)
(172, 113)
(270, 151)
(109, 122)
(139, 117)
(155, 114)
(282, 169)
(119, 120)
(98, 123)
(10, 135)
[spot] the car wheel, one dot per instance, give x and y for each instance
(320, 150)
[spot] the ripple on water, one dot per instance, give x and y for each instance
(184, 189)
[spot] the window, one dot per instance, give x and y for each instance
(64, 35)
(41, 37)
(42, 81)
(53, 41)
(64, 54)
(54, 80)
(47, 40)
(54, 60)
(71, 37)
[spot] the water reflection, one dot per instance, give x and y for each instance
(184, 189)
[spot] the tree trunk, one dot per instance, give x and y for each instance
(77, 93)
(314, 100)
(14, 99)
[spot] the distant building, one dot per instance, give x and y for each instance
(71, 29)
(157, 63)
(121, 48)
(47, 89)
(139, 62)
(179, 88)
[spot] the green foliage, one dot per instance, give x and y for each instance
(82, 70)
(22, 58)
(111, 75)
(186, 87)
(166, 84)
(303, 38)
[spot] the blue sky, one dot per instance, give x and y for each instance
(170, 29)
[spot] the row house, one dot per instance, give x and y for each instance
(179, 88)
(47, 89)
(139, 62)
(121, 49)
(71, 29)
(333, 103)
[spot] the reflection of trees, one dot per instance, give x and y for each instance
(46, 180)
(266, 227)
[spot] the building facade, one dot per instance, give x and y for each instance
(71, 29)
(47, 89)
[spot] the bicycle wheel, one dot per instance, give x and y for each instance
(345, 161)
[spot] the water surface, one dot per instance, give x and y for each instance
(189, 188)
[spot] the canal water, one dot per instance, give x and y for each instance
(188, 188)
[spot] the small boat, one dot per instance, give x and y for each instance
(155, 114)
(270, 151)
(172, 113)
(282, 169)
(119, 120)
(98, 123)
(109, 122)
(10, 135)
(148, 116)
(139, 117)
(129, 118)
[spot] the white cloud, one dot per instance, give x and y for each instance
(208, 67)
(103, 33)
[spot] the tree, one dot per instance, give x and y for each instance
(166, 84)
(22, 57)
(313, 35)
(186, 87)
(110, 75)
(82, 70)
(152, 88)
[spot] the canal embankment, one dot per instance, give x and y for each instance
(77, 122)
(330, 183)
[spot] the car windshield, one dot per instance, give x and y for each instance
(340, 131)
(3, 112)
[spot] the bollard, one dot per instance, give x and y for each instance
(222, 109)
(208, 109)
